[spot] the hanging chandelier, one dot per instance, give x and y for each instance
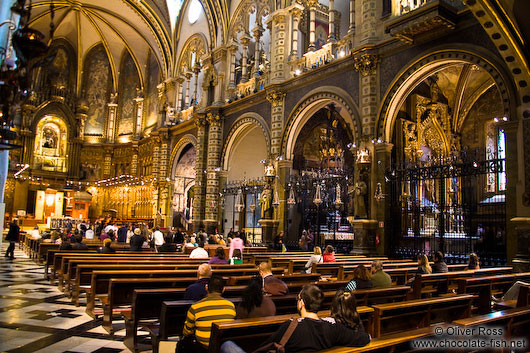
(379, 196)
(276, 201)
(239, 201)
(291, 201)
(252, 205)
(318, 196)
(338, 200)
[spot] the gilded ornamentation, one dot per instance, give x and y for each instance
(366, 64)
(213, 118)
(276, 98)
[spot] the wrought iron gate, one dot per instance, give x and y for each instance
(449, 205)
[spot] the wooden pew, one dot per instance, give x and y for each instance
(412, 314)
(287, 278)
(249, 334)
(397, 342)
(516, 322)
(439, 283)
(145, 308)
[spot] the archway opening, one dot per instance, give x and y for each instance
(183, 182)
(244, 181)
(51, 140)
(449, 181)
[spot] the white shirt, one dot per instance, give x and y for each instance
(158, 237)
(89, 234)
(199, 253)
(109, 227)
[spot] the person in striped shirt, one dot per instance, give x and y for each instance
(213, 308)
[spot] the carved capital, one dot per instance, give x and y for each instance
(213, 118)
(200, 121)
(312, 3)
(366, 64)
(276, 98)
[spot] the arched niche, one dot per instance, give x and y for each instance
(128, 89)
(51, 142)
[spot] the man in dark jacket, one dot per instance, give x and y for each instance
(271, 285)
(137, 240)
(439, 265)
(122, 234)
(79, 245)
(197, 290)
(12, 238)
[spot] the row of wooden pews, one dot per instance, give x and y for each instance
(147, 290)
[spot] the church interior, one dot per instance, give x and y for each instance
(384, 130)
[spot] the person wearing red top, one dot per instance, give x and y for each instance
(329, 255)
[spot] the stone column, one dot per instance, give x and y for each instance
(367, 64)
(232, 76)
(164, 153)
(278, 24)
(245, 39)
(111, 118)
(351, 29)
(196, 70)
(188, 82)
(107, 164)
(139, 102)
(257, 32)
(200, 177)
(134, 159)
(276, 98)
(215, 139)
(369, 21)
(331, 25)
(180, 84)
(81, 116)
(312, 18)
(156, 156)
(380, 209)
(296, 13)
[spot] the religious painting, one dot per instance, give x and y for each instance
(152, 92)
(59, 69)
(96, 88)
(129, 83)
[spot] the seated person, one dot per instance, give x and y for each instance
(473, 262)
(199, 252)
(219, 258)
(65, 243)
(137, 240)
(78, 243)
(439, 265)
(271, 284)
(314, 259)
(106, 249)
(380, 279)
(329, 254)
(362, 279)
(423, 265)
(254, 303)
(168, 246)
(201, 315)
(512, 293)
(236, 258)
(197, 290)
(312, 333)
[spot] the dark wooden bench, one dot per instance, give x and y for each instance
(439, 283)
(249, 334)
(412, 314)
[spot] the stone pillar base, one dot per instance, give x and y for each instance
(269, 228)
(364, 231)
(210, 225)
(521, 261)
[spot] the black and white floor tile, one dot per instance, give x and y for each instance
(36, 317)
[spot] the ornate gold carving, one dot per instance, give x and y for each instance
(213, 118)
(200, 121)
(366, 64)
(276, 98)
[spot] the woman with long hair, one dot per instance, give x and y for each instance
(254, 303)
(423, 265)
(362, 279)
(344, 310)
(219, 258)
(473, 262)
(329, 254)
(314, 259)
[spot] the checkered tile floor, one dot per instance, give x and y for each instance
(36, 317)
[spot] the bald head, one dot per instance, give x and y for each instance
(205, 271)
(377, 265)
(264, 269)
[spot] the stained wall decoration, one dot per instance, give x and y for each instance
(96, 87)
(152, 92)
(127, 91)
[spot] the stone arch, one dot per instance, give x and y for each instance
(195, 43)
(56, 109)
(508, 39)
(311, 103)
(425, 65)
(177, 150)
(240, 125)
